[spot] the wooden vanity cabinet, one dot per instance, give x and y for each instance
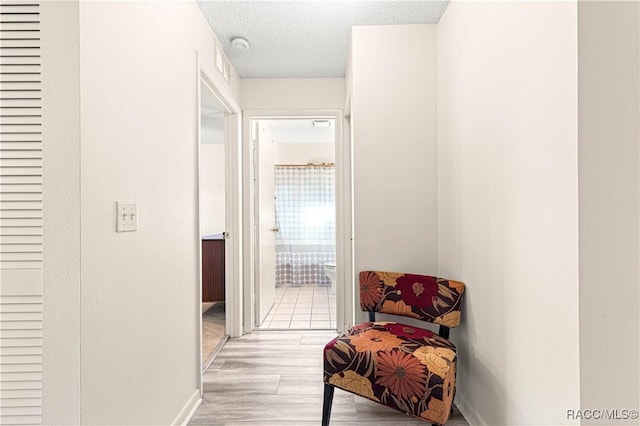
(212, 270)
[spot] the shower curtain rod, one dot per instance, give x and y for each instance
(306, 165)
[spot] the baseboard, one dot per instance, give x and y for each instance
(188, 410)
(471, 416)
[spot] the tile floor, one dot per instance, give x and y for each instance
(308, 307)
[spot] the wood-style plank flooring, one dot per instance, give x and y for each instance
(273, 378)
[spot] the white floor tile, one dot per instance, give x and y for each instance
(319, 317)
(279, 324)
(299, 324)
(281, 317)
(301, 317)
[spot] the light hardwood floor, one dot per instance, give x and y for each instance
(213, 331)
(273, 378)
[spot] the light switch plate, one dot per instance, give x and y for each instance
(127, 217)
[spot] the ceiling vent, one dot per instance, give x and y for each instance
(321, 123)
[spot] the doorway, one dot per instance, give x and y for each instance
(296, 218)
(298, 193)
(212, 195)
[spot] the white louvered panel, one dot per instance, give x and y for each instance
(23, 222)
(21, 162)
(20, 116)
(20, 307)
(21, 34)
(7, 153)
(20, 342)
(20, 213)
(22, 368)
(20, 145)
(17, 26)
(20, 205)
(21, 196)
(21, 188)
(19, 377)
(18, 78)
(17, 137)
(20, 359)
(20, 351)
(17, 402)
(21, 180)
(19, 42)
(22, 239)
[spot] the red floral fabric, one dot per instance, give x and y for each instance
(417, 296)
(404, 367)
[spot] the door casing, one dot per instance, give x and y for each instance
(233, 210)
(344, 218)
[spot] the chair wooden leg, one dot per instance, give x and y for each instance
(326, 407)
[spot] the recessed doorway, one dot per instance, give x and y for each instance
(212, 195)
(296, 223)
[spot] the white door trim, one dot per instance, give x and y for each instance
(233, 209)
(344, 221)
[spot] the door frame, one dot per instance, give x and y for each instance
(344, 217)
(233, 208)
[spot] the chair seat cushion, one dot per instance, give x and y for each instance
(404, 367)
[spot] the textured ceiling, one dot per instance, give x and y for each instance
(304, 38)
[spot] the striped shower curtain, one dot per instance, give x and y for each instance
(305, 214)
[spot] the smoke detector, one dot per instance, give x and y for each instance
(240, 44)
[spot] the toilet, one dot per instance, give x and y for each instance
(330, 270)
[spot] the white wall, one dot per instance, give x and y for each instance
(61, 196)
(212, 188)
(508, 205)
(394, 143)
(609, 42)
(292, 93)
(212, 128)
(132, 330)
(304, 153)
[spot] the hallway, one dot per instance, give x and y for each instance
(275, 378)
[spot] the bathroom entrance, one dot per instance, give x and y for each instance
(295, 217)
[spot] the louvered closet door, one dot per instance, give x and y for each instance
(20, 214)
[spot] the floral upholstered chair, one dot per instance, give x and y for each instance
(404, 367)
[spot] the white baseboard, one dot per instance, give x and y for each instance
(471, 416)
(188, 410)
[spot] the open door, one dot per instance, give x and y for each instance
(265, 220)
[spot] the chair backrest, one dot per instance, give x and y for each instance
(427, 298)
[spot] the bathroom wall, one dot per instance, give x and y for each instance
(303, 153)
(212, 188)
